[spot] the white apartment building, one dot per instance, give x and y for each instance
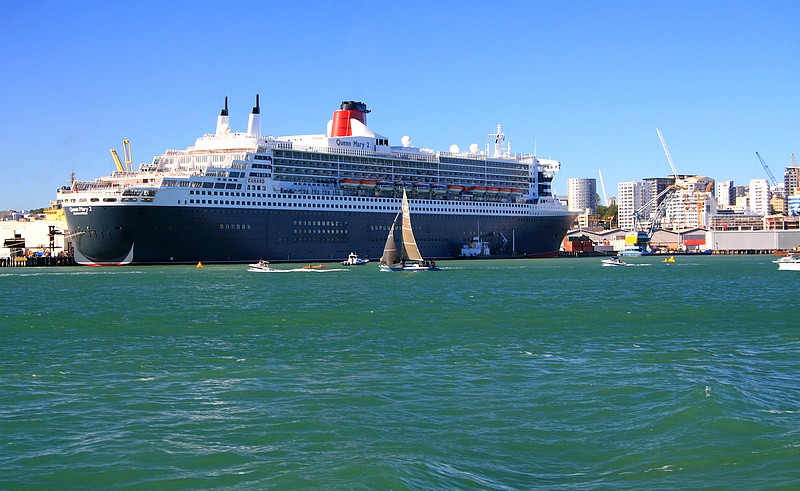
(582, 194)
(631, 196)
(726, 194)
(760, 196)
(691, 203)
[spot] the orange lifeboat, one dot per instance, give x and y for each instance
(348, 183)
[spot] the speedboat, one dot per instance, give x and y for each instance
(789, 263)
(260, 266)
(613, 261)
(354, 260)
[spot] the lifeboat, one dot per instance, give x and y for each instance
(348, 183)
(503, 192)
(367, 184)
(385, 186)
(454, 188)
(422, 187)
(516, 192)
(477, 190)
(492, 191)
(438, 189)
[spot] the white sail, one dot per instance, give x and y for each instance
(410, 249)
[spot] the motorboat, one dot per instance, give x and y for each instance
(354, 260)
(260, 266)
(613, 261)
(789, 263)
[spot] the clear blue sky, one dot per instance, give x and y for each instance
(584, 82)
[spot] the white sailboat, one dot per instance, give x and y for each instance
(408, 258)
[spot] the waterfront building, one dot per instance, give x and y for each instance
(582, 195)
(691, 204)
(726, 194)
(631, 197)
(791, 181)
(760, 196)
(793, 205)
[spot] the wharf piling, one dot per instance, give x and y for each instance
(32, 261)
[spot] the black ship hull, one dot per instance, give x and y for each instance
(106, 235)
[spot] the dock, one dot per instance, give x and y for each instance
(33, 261)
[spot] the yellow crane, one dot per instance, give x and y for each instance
(126, 148)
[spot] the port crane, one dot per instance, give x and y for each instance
(666, 151)
(603, 187)
(126, 148)
(769, 172)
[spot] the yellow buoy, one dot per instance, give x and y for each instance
(199, 264)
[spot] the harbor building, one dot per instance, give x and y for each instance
(690, 204)
(631, 197)
(726, 194)
(791, 180)
(582, 194)
(582, 198)
(760, 195)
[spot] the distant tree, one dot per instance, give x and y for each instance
(608, 214)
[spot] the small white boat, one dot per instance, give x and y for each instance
(613, 261)
(354, 260)
(261, 266)
(475, 248)
(789, 263)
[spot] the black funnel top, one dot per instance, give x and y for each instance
(257, 109)
(354, 106)
(225, 111)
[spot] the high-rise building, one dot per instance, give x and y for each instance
(791, 180)
(760, 196)
(582, 194)
(631, 197)
(726, 194)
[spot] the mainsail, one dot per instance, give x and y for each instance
(390, 255)
(410, 249)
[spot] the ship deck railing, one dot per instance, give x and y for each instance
(422, 156)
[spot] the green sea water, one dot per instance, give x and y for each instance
(499, 374)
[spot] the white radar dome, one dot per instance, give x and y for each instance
(473, 148)
(406, 140)
(454, 148)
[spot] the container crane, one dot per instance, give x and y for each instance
(666, 151)
(603, 186)
(769, 172)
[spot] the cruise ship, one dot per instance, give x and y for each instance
(243, 196)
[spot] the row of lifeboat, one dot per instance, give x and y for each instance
(424, 187)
